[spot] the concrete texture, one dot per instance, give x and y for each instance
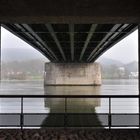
(72, 74)
(66, 11)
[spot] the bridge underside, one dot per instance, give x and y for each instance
(69, 11)
(71, 35)
(70, 32)
(71, 42)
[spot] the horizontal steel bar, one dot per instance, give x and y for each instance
(65, 126)
(69, 96)
(10, 126)
(10, 114)
(65, 113)
(125, 126)
(66, 32)
(69, 113)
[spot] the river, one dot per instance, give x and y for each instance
(40, 105)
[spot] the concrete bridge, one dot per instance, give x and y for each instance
(65, 32)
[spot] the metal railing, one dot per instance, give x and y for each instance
(65, 119)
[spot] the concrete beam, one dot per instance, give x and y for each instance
(70, 11)
(51, 31)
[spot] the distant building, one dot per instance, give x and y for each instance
(121, 72)
(133, 75)
(16, 75)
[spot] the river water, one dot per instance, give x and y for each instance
(40, 105)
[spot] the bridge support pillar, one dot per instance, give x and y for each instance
(72, 74)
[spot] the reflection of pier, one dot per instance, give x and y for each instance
(72, 111)
(72, 90)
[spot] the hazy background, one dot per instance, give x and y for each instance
(14, 50)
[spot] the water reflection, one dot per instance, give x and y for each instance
(72, 90)
(81, 105)
(80, 112)
(74, 106)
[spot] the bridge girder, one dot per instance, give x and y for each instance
(71, 42)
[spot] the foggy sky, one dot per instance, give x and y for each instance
(125, 51)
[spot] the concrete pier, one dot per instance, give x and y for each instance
(72, 74)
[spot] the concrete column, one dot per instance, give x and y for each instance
(72, 74)
(0, 52)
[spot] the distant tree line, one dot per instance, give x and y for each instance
(119, 72)
(34, 69)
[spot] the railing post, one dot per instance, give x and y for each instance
(21, 114)
(0, 53)
(65, 116)
(138, 68)
(109, 113)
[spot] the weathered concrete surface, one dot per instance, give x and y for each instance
(72, 74)
(66, 11)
